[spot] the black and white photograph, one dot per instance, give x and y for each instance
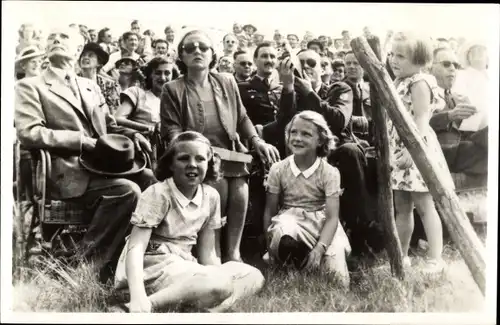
(249, 162)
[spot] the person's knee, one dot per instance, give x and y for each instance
(253, 278)
(220, 288)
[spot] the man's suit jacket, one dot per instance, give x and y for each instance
(446, 131)
(49, 116)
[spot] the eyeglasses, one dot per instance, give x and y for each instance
(310, 62)
(448, 64)
(244, 64)
(189, 48)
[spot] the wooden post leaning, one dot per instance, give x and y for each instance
(385, 202)
(447, 203)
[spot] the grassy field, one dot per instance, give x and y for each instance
(51, 286)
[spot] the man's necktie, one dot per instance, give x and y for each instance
(267, 83)
(72, 85)
(448, 98)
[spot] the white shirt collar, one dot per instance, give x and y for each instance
(184, 201)
(62, 73)
(308, 172)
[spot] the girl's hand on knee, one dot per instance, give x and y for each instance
(314, 258)
(403, 159)
(140, 305)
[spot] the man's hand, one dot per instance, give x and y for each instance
(314, 258)
(360, 123)
(285, 70)
(461, 112)
(403, 159)
(141, 143)
(88, 144)
(304, 86)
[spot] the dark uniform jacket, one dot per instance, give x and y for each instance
(261, 102)
(336, 107)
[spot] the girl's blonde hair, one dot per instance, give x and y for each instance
(163, 170)
(419, 48)
(327, 140)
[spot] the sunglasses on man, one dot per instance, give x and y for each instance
(310, 62)
(447, 64)
(245, 63)
(189, 48)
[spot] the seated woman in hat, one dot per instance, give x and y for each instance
(140, 108)
(210, 103)
(92, 59)
(129, 74)
(29, 62)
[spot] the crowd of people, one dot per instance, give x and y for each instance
(284, 123)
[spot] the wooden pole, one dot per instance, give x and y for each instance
(385, 203)
(454, 217)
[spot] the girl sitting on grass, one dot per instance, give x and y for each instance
(419, 93)
(172, 216)
(301, 218)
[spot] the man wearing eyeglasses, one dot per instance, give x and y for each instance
(243, 66)
(465, 151)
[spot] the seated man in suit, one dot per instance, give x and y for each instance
(361, 120)
(66, 114)
(465, 151)
(349, 156)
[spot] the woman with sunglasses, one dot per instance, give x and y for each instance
(210, 103)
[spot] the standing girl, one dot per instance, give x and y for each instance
(172, 216)
(418, 91)
(304, 227)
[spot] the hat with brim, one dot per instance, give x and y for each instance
(250, 26)
(29, 52)
(113, 155)
(102, 56)
(126, 61)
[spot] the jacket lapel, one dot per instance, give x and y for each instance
(60, 89)
(85, 93)
(222, 104)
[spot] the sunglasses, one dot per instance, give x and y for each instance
(244, 64)
(310, 62)
(230, 42)
(448, 64)
(189, 48)
(338, 70)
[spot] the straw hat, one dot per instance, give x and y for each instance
(29, 52)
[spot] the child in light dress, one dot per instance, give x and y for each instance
(301, 218)
(419, 93)
(156, 265)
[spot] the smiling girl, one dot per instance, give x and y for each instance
(301, 219)
(172, 216)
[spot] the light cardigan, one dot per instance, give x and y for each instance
(178, 116)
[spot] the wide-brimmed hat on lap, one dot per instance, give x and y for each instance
(113, 155)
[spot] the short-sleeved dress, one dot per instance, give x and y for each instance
(303, 196)
(409, 179)
(176, 221)
(146, 106)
